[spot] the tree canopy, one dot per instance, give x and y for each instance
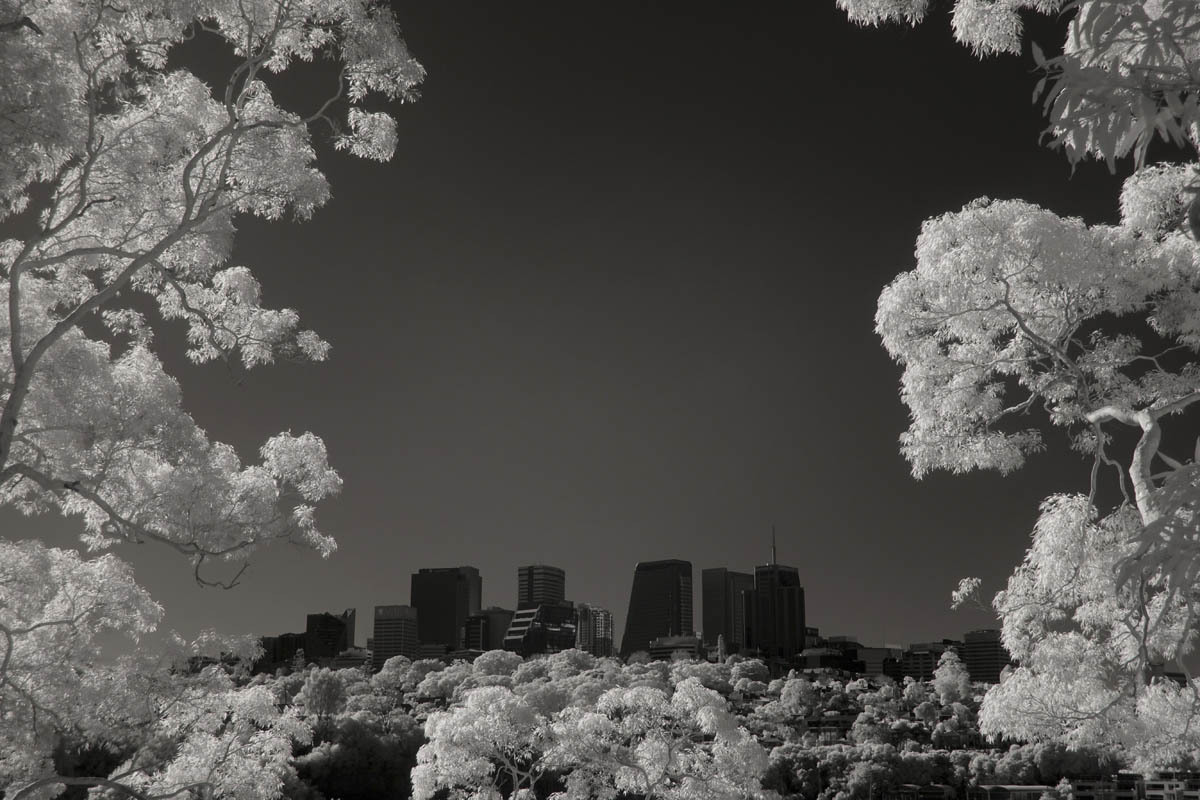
(1016, 320)
(123, 179)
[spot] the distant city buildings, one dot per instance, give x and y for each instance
(395, 634)
(444, 597)
(762, 615)
(984, 655)
(540, 583)
(724, 594)
(660, 604)
(593, 630)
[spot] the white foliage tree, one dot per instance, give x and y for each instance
(123, 177)
(640, 742)
(491, 746)
(1015, 320)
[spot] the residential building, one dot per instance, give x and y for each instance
(444, 597)
(593, 630)
(540, 583)
(484, 630)
(724, 595)
(660, 604)
(395, 634)
(984, 655)
(545, 628)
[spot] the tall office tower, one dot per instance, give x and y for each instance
(593, 630)
(326, 635)
(443, 597)
(485, 629)
(540, 583)
(395, 634)
(725, 606)
(775, 611)
(660, 604)
(984, 655)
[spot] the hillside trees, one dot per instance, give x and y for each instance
(123, 177)
(1013, 311)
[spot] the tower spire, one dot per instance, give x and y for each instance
(773, 560)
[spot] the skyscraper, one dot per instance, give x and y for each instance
(326, 635)
(984, 655)
(540, 583)
(593, 630)
(544, 628)
(725, 606)
(775, 611)
(443, 597)
(660, 604)
(395, 634)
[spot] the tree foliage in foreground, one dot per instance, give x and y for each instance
(1016, 320)
(121, 184)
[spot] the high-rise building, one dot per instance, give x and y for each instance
(485, 629)
(984, 655)
(593, 630)
(775, 612)
(724, 593)
(444, 597)
(326, 635)
(395, 634)
(540, 583)
(545, 628)
(660, 604)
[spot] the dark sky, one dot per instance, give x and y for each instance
(613, 301)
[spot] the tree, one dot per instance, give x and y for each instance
(122, 181)
(1012, 310)
(490, 746)
(640, 742)
(951, 680)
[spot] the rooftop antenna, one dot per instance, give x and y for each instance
(773, 560)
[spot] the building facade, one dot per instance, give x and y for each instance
(667, 648)
(775, 614)
(395, 634)
(921, 659)
(593, 630)
(984, 655)
(540, 583)
(485, 630)
(444, 597)
(724, 593)
(546, 628)
(660, 604)
(326, 635)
